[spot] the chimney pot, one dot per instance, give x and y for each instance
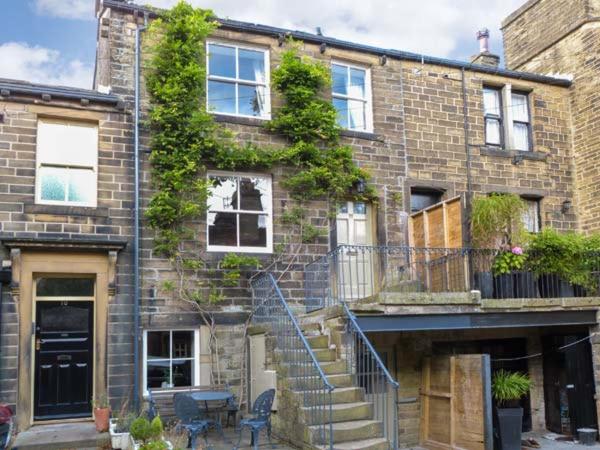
(483, 36)
(485, 57)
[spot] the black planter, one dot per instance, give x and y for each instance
(504, 286)
(525, 285)
(484, 283)
(509, 427)
(552, 286)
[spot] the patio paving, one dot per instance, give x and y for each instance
(61, 436)
(231, 437)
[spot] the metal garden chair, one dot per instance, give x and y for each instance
(261, 418)
(191, 417)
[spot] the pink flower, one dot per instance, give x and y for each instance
(517, 251)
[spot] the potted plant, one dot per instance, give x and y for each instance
(119, 430)
(101, 413)
(504, 267)
(146, 435)
(508, 388)
(496, 222)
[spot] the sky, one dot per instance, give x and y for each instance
(54, 41)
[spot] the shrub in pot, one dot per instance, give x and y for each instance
(496, 222)
(510, 280)
(119, 429)
(101, 413)
(147, 435)
(507, 389)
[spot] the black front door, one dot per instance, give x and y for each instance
(63, 359)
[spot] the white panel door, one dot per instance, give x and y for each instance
(355, 260)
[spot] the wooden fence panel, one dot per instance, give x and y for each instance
(439, 226)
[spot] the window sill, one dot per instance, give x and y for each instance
(240, 120)
(505, 153)
(65, 210)
(361, 135)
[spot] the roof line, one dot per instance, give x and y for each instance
(342, 44)
(18, 87)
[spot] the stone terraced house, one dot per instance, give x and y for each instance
(431, 132)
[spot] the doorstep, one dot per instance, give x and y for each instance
(63, 436)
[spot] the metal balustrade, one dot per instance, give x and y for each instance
(297, 357)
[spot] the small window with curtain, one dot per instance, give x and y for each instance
(531, 216)
(521, 123)
(238, 81)
(351, 96)
(492, 105)
(66, 163)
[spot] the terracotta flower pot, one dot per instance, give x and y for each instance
(101, 417)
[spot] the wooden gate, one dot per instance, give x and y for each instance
(456, 403)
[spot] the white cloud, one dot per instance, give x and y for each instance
(42, 65)
(68, 9)
(433, 27)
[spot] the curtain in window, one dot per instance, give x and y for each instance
(521, 136)
(531, 216)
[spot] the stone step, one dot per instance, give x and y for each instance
(337, 380)
(69, 435)
(320, 341)
(354, 430)
(338, 395)
(308, 368)
(340, 412)
(365, 444)
(322, 354)
(311, 329)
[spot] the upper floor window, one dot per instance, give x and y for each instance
(507, 118)
(66, 163)
(240, 213)
(351, 92)
(238, 81)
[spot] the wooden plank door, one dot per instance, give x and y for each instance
(456, 403)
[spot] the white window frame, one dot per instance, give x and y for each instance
(195, 358)
(367, 99)
(268, 212)
(39, 165)
(237, 81)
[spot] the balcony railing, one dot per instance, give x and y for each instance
(350, 273)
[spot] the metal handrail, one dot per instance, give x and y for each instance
(315, 389)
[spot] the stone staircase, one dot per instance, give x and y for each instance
(354, 425)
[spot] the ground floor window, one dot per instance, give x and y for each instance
(171, 358)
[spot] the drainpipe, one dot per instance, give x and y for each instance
(469, 196)
(136, 227)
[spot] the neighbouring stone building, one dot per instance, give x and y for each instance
(427, 130)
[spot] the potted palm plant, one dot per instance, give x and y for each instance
(508, 388)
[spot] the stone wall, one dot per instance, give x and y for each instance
(21, 217)
(570, 39)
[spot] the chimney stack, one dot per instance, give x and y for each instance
(485, 57)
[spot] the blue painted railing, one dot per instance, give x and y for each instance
(306, 374)
(371, 373)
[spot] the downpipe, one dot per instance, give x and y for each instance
(136, 219)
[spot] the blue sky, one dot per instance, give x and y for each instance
(54, 41)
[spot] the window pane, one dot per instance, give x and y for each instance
(492, 131)
(221, 97)
(521, 136)
(251, 65)
(221, 60)
(255, 194)
(71, 318)
(253, 230)
(222, 229)
(157, 344)
(357, 83)
(358, 119)
(251, 100)
(519, 108)
(422, 200)
(158, 374)
(65, 287)
(343, 208)
(360, 208)
(182, 373)
(341, 106)
(531, 217)
(223, 193)
(183, 344)
(53, 183)
(81, 186)
(339, 76)
(491, 102)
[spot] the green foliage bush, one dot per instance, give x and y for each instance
(506, 262)
(508, 387)
(497, 221)
(144, 431)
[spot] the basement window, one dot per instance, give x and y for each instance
(351, 96)
(421, 198)
(238, 81)
(240, 213)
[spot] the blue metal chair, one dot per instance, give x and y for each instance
(191, 417)
(261, 418)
